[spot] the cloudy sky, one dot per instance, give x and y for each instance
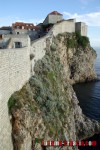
(35, 11)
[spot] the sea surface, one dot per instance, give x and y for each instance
(89, 94)
(89, 100)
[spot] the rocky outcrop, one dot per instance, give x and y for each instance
(46, 108)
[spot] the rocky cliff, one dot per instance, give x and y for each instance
(46, 108)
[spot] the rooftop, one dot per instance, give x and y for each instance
(55, 13)
(25, 25)
(5, 28)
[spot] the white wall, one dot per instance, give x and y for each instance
(82, 28)
(54, 18)
(64, 26)
(14, 72)
(24, 39)
(20, 31)
(38, 50)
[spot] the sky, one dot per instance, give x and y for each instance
(87, 11)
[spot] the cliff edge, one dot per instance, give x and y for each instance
(46, 108)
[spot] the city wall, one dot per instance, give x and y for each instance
(14, 72)
(64, 26)
(15, 69)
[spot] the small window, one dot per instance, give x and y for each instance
(17, 27)
(18, 44)
(0, 37)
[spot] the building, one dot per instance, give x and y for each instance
(25, 29)
(81, 27)
(22, 25)
(53, 18)
(17, 41)
(4, 31)
(14, 37)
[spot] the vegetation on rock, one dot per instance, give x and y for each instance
(83, 41)
(45, 106)
(75, 40)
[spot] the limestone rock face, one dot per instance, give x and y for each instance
(78, 62)
(46, 108)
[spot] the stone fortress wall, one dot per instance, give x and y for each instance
(14, 72)
(82, 28)
(38, 47)
(16, 68)
(64, 26)
(52, 19)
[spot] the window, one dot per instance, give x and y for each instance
(18, 44)
(17, 27)
(0, 37)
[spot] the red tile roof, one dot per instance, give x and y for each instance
(55, 13)
(25, 25)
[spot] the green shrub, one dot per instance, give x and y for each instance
(11, 104)
(38, 140)
(15, 101)
(71, 43)
(33, 108)
(82, 40)
(51, 76)
(78, 35)
(59, 36)
(53, 47)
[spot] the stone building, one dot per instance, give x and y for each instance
(26, 29)
(53, 18)
(81, 27)
(22, 25)
(17, 41)
(4, 31)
